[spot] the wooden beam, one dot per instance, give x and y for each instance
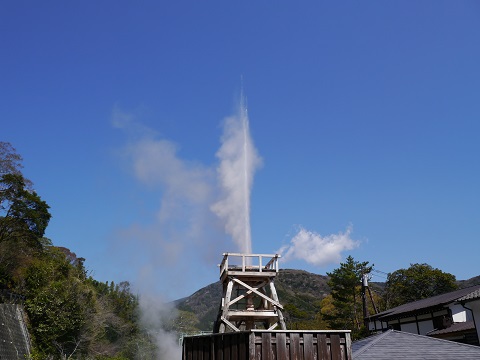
(276, 303)
(247, 293)
(273, 326)
(258, 314)
(229, 324)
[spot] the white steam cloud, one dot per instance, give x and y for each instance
(155, 162)
(183, 227)
(316, 249)
(238, 161)
(197, 204)
(154, 315)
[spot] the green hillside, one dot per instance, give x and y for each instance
(299, 291)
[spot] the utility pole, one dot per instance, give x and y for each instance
(364, 300)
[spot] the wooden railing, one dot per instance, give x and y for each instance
(249, 262)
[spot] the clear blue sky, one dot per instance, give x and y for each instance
(365, 114)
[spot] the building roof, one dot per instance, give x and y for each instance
(474, 295)
(394, 344)
(429, 303)
(454, 328)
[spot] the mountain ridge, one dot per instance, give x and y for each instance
(299, 291)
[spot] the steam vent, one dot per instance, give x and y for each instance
(249, 298)
(250, 324)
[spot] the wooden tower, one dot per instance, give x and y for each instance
(249, 299)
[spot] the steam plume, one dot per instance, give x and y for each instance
(181, 229)
(318, 250)
(238, 161)
(154, 315)
(187, 228)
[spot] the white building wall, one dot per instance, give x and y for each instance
(459, 314)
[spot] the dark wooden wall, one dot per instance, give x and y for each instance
(269, 345)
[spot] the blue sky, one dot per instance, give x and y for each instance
(365, 116)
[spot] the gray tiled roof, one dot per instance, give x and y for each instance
(457, 327)
(431, 302)
(474, 295)
(400, 345)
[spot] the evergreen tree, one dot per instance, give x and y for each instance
(346, 301)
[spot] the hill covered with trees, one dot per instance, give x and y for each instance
(332, 301)
(69, 314)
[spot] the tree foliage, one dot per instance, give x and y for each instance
(24, 215)
(419, 281)
(57, 301)
(70, 315)
(10, 160)
(345, 308)
(300, 318)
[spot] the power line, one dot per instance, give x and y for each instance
(380, 272)
(380, 276)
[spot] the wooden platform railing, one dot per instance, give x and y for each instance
(249, 262)
(270, 345)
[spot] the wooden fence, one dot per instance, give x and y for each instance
(270, 345)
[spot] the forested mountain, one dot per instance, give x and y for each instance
(470, 282)
(300, 292)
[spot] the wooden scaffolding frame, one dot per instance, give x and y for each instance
(249, 300)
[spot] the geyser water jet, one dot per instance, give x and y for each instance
(238, 162)
(248, 233)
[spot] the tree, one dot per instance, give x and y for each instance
(23, 214)
(419, 281)
(11, 161)
(346, 304)
(24, 217)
